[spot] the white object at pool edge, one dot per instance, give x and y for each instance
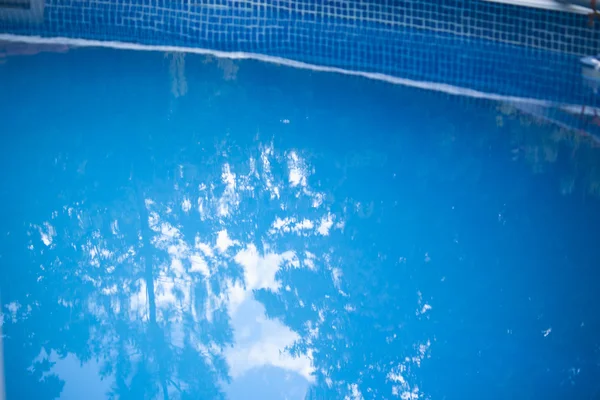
(566, 6)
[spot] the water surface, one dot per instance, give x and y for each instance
(187, 227)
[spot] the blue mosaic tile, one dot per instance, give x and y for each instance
(471, 43)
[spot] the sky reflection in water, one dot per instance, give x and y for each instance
(186, 227)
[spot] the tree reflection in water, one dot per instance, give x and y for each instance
(218, 231)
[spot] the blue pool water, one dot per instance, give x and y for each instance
(194, 228)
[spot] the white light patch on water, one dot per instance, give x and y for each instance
(186, 205)
(13, 309)
(412, 395)
(230, 198)
(400, 375)
(423, 307)
(202, 208)
(355, 394)
(114, 227)
(224, 242)
(291, 224)
(47, 233)
(176, 267)
(303, 225)
(267, 175)
(282, 224)
(336, 275)
(317, 200)
(205, 248)
(326, 224)
(310, 264)
(260, 271)
(397, 375)
(547, 332)
(198, 264)
(110, 290)
(297, 174)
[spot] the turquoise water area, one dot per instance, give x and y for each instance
(183, 227)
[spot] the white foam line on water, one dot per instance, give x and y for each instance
(432, 86)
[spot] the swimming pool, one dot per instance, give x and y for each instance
(179, 225)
